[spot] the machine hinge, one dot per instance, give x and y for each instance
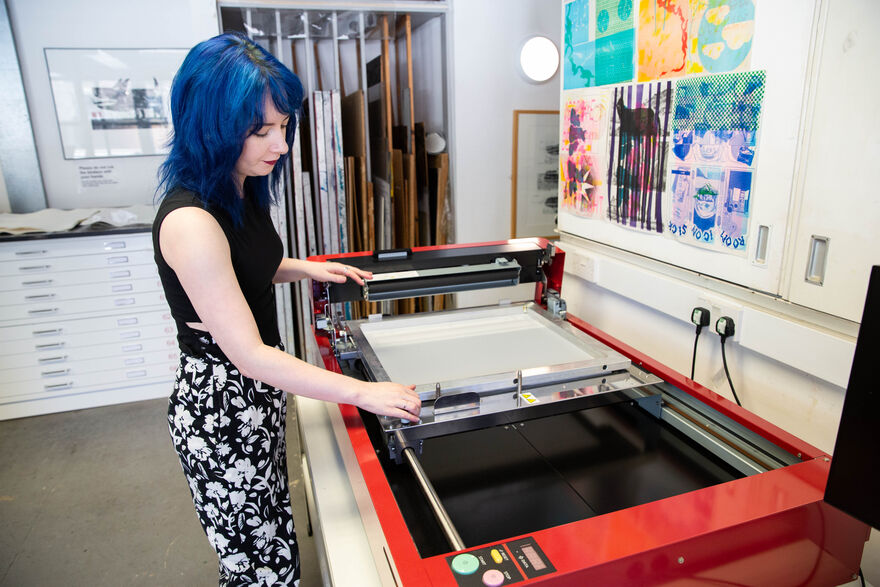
(556, 305)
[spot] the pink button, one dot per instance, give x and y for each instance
(493, 578)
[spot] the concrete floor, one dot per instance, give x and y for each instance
(96, 497)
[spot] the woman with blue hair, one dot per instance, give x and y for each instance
(234, 109)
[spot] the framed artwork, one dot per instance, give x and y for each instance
(535, 177)
(112, 102)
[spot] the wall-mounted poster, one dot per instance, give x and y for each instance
(112, 102)
(535, 177)
(677, 37)
(599, 43)
(639, 142)
(720, 35)
(715, 128)
(663, 38)
(583, 153)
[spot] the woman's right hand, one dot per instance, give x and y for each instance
(391, 399)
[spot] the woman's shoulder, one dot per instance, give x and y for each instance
(179, 198)
(173, 201)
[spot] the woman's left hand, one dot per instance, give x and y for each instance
(337, 273)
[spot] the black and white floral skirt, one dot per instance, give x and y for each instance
(228, 431)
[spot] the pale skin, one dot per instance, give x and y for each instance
(194, 246)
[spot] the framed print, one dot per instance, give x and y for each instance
(535, 177)
(112, 102)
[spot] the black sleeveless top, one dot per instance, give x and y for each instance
(256, 254)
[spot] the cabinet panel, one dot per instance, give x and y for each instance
(836, 239)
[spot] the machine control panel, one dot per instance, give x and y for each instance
(500, 564)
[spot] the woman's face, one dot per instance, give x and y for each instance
(262, 149)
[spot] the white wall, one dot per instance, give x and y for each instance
(487, 88)
(97, 24)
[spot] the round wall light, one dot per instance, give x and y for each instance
(539, 59)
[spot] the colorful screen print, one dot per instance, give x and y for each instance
(734, 213)
(715, 126)
(583, 152)
(599, 43)
(721, 33)
(705, 195)
(640, 123)
(663, 36)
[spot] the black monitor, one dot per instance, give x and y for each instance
(854, 479)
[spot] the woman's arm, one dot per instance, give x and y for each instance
(194, 245)
(296, 269)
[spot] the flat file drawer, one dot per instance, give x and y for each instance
(61, 295)
(92, 325)
(70, 349)
(97, 381)
(42, 266)
(54, 309)
(102, 274)
(75, 246)
(75, 371)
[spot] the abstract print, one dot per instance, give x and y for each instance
(638, 149)
(715, 126)
(721, 33)
(228, 431)
(599, 43)
(583, 153)
(663, 38)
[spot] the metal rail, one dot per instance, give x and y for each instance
(433, 500)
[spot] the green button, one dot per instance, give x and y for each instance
(465, 564)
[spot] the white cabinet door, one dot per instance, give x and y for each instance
(836, 240)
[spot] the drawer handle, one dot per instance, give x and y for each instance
(39, 297)
(55, 359)
(35, 268)
(134, 361)
(37, 282)
(58, 386)
(49, 346)
(49, 332)
(120, 274)
(119, 288)
(132, 348)
(43, 312)
(816, 262)
(55, 373)
(130, 334)
(126, 321)
(31, 252)
(114, 245)
(117, 260)
(123, 302)
(135, 374)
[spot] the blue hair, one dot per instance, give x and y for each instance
(217, 101)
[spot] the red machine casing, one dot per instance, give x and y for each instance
(773, 528)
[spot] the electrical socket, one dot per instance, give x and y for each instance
(582, 266)
(719, 307)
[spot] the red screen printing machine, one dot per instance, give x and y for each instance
(549, 452)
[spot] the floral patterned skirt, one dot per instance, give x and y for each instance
(228, 431)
